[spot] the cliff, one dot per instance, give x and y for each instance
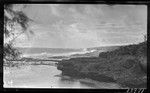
(126, 65)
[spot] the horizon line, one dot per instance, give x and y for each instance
(83, 47)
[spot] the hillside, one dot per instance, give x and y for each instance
(126, 65)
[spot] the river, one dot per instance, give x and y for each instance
(47, 76)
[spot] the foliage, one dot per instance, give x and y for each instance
(13, 18)
(132, 50)
(10, 52)
(126, 65)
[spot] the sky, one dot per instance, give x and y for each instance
(83, 25)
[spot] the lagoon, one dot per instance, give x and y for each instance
(47, 76)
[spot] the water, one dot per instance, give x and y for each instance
(51, 52)
(46, 76)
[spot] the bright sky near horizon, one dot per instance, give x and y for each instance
(84, 25)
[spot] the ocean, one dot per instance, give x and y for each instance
(57, 53)
(53, 52)
(48, 76)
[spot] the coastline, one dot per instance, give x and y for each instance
(125, 66)
(11, 74)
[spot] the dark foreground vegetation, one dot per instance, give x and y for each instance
(126, 65)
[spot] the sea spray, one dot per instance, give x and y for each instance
(45, 55)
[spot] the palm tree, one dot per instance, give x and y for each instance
(11, 19)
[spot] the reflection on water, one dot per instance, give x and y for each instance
(42, 76)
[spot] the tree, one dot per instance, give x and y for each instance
(13, 18)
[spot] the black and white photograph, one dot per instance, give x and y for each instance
(75, 46)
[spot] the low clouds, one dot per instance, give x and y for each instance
(86, 25)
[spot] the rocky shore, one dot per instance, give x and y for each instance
(126, 66)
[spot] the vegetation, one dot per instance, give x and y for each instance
(126, 65)
(13, 18)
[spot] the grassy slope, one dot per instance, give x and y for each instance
(126, 66)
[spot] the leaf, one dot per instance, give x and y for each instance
(11, 17)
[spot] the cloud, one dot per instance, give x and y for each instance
(54, 9)
(78, 25)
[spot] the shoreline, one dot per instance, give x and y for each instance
(72, 68)
(85, 78)
(84, 81)
(125, 65)
(21, 63)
